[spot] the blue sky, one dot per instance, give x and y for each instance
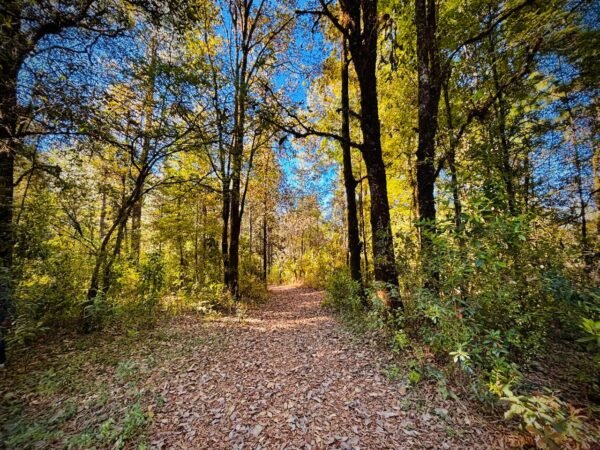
(102, 65)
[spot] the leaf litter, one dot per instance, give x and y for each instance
(288, 376)
(291, 377)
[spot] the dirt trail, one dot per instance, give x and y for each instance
(290, 376)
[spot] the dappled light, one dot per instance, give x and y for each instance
(300, 224)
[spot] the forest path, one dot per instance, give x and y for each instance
(290, 376)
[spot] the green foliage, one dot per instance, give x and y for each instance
(343, 295)
(399, 341)
(152, 273)
(554, 423)
(511, 264)
(499, 295)
(253, 289)
(133, 422)
(22, 435)
(125, 370)
(26, 330)
(98, 311)
(592, 338)
(200, 299)
(48, 297)
(461, 357)
(393, 372)
(502, 375)
(117, 435)
(414, 377)
(592, 330)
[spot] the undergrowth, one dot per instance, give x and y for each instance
(454, 343)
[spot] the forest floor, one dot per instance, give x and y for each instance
(287, 375)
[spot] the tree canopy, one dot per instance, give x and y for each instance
(434, 164)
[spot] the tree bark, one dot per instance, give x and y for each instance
(136, 231)
(196, 243)
(103, 264)
(596, 170)
(429, 88)
(204, 263)
(362, 31)
(236, 212)
(12, 56)
(452, 164)
(250, 231)
(350, 182)
(265, 223)
(265, 262)
(363, 228)
(148, 109)
(225, 212)
(585, 248)
(506, 168)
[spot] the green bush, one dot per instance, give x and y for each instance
(343, 294)
(253, 289)
(591, 328)
(553, 423)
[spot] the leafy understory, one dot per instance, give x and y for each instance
(432, 164)
(287, 374)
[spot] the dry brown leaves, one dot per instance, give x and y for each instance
(290, 376)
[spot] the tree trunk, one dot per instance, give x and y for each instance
(103, 264)
(362, 37)
(148, 109)
(183, 264)
(225, 211)
(596, 169)
(363, 229)
(107, 272)
(100, 272)
(265, 226)
(585, 249)
(196, 243)
(103, 206)
(10, 62)
(236, 222)
(6, 223)
(250, 224)
(349, 180)
(241, 87)
(452, 164)
(136, 231)
(204, 264)
(429, 87)
(264, 250)
(506, 168)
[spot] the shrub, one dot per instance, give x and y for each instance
(253, 289)
(591, 328)
(343, 294)
(553, 423)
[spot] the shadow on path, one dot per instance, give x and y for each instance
(289, 376)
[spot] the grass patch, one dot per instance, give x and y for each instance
(91, 391)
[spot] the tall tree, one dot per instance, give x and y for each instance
(350, 182)
(144, 132)
(148, 110)
(429, 89)
(24, 26)
(240, 61)
(359, 23)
